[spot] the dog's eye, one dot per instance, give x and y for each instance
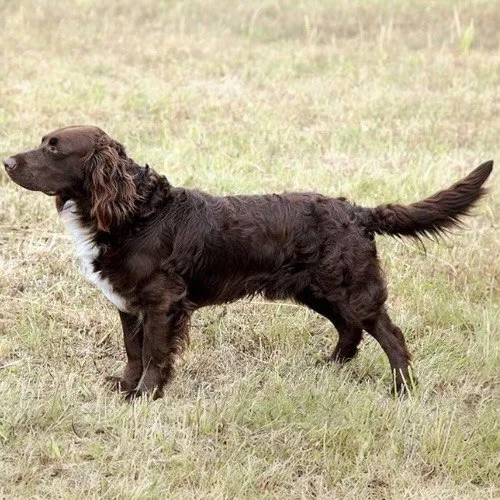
(52, 145)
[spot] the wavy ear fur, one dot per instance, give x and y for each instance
(112, 188)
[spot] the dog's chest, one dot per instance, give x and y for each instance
(87, 252)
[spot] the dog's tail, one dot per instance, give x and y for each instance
(432, 216)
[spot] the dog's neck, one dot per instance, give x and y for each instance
(148, 181)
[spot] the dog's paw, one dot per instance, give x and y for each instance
(142, 392)
(119, 384)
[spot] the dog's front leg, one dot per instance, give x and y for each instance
(165, 330)
(132, 338)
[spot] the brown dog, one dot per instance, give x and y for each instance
(159, 252)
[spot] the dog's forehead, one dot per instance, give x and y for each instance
(76, 133)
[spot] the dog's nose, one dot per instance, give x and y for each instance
(9, 163)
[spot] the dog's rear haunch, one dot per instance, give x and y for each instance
(160, 252)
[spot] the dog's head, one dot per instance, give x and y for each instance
(80, 162)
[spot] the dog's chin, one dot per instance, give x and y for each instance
(48, 192)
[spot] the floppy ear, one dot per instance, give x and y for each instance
(112, 188)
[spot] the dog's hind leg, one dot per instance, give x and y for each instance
(349, 338)
(349, 335)
(392, 341)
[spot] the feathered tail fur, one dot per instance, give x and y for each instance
(434, 215)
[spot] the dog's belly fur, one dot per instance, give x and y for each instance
(87, 252)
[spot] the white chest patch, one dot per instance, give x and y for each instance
(87, 251)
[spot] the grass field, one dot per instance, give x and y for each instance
(376, 100)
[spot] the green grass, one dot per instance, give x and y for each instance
(377, 100)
